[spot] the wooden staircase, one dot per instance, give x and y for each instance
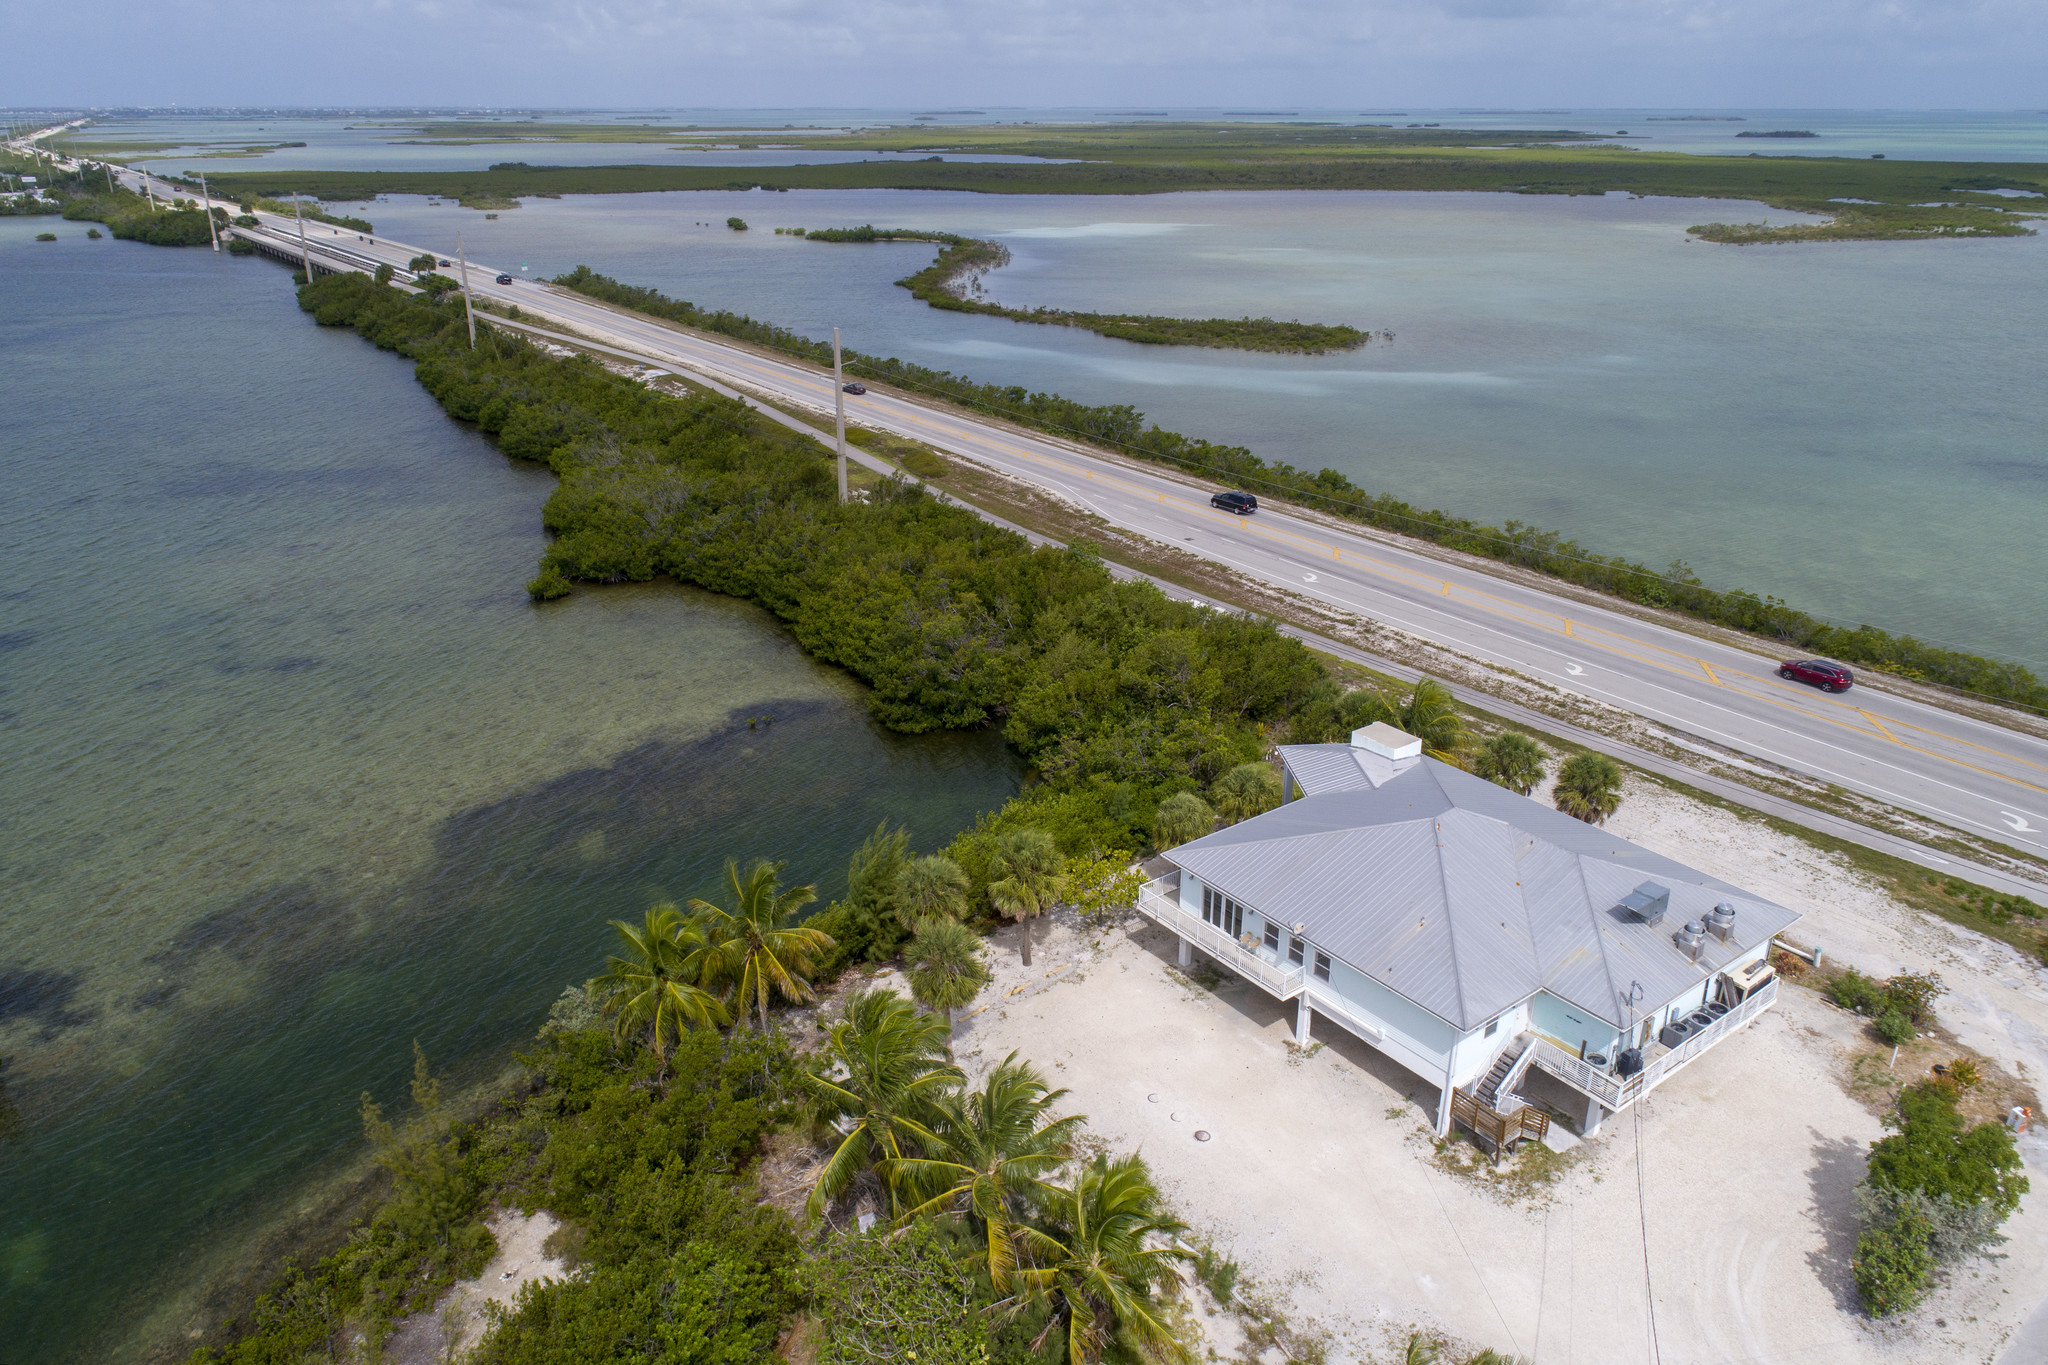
(1478, 1109)
(1504, 1066)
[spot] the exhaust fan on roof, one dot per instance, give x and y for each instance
(1647, 903)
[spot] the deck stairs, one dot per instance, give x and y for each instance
(1505, 1077)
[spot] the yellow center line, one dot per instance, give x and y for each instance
(1678, 661)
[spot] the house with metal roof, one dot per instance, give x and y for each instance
(1471, 934)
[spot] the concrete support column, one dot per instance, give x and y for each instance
(1304, 1016)
(1595, 1114)
(1187, 952)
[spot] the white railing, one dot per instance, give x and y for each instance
(1162, 906)
(1615, 1093)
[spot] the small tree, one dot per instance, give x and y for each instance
(736, 224)
(1431, 715)
(384, 273)
(945, 966)
(1589, 787)
(1182, 817)
(1026, 879)
(933, 887)
(1892, 1266)
(422, 262)
(1513, 760)
(1105, 882)
(1248, 789)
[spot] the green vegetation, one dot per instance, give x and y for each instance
(962, 260)
(46, 236)
(1589, 787)
(1917, 198)
(1183, 818)
(736, 224)
(1123, 428)
(1898, 1008)
(1248, 789)
(944, 966)
(1935, 1192)
(1513, 760)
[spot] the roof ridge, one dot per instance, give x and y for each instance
(1606, 963)
(1464, 1020)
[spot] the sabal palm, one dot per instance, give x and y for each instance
(944, 966)
(757, 949)
(1094, 1267)
(888, 1072)
(931, 887)
(1431, 715)
(1588, 788)
(1026, 879)
(993, 1149)
(654, 984)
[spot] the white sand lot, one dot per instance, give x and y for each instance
(1723, 1202)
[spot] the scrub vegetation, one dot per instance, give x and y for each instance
(952, 282)
(1903, 199)
(1123, 428)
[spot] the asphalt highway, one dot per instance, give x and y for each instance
(1961, 771)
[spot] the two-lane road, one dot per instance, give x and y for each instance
(1964, 772)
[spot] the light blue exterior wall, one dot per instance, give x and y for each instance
(1406, 1022)
(1567, 1025)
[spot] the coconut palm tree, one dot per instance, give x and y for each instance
(1513, 760)
(887, 1072)
(1248, 789)
(1182, 818)
(994, 1149)
(1026, 878)
(1431, 715)
(1094, 1264)
(944, 966)
(757, 949)
(1589, 787)
(654, 986)
(1421, 1351)
(932, 887)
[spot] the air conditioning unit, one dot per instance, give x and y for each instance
(1647, 903)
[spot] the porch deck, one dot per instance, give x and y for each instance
(1616, 1093)
(1160, 903)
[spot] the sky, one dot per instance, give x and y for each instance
(1352, 54)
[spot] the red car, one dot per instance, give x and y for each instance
(1822, 674)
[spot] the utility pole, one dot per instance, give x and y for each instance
(305, 252)
(206, 206)
(839, 411)
(468, 303)
(110, 176)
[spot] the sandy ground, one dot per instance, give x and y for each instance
(460, 1320)
(1722, 1203)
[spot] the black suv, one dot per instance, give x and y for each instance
(1244, 504)
(1822, 674)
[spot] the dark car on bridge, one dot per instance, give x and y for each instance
(855, 388)
(1822, 674)
(1244, 504)
(504, 279)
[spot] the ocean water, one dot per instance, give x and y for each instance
(1853, 427)
(294, 775)
(370, 141)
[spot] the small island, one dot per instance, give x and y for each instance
(956, 273)
(1777, 132)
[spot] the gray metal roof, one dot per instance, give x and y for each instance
(1463, 896)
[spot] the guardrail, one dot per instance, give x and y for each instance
(1163, 907)
(1615, 1093)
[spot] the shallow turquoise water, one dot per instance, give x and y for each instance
(294, 774)
(1854, 427)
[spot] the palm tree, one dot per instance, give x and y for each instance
(995, 1147)
(1182, 818)
(1431, 715)
(888, 1072)
(932, 887)
(1026, 879)
(1248, 789)
(758, 950)
(1093, 1266)
(1589, 787)
(944, 966)
(655, 985)
(1513, 760)
(1421, 1350)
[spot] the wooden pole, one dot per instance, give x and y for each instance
(468, 303)
(839, 412)
(305, 252)
(206, 207)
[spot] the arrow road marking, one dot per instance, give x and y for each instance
(2017, 822)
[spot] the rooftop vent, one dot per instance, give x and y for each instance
(1721, 921)
(1383, 739)
(1647, 903)
(1691, 939)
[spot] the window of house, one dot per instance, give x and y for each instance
(1294, 949)
(1322, 966)
(1233, 919)
(1272, 936)
(1492, 1027)
(1221, 911)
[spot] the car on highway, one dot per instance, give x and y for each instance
(1231, 500)
(444, 263)
(504, 279)
(854, 388)
(1822, 674)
